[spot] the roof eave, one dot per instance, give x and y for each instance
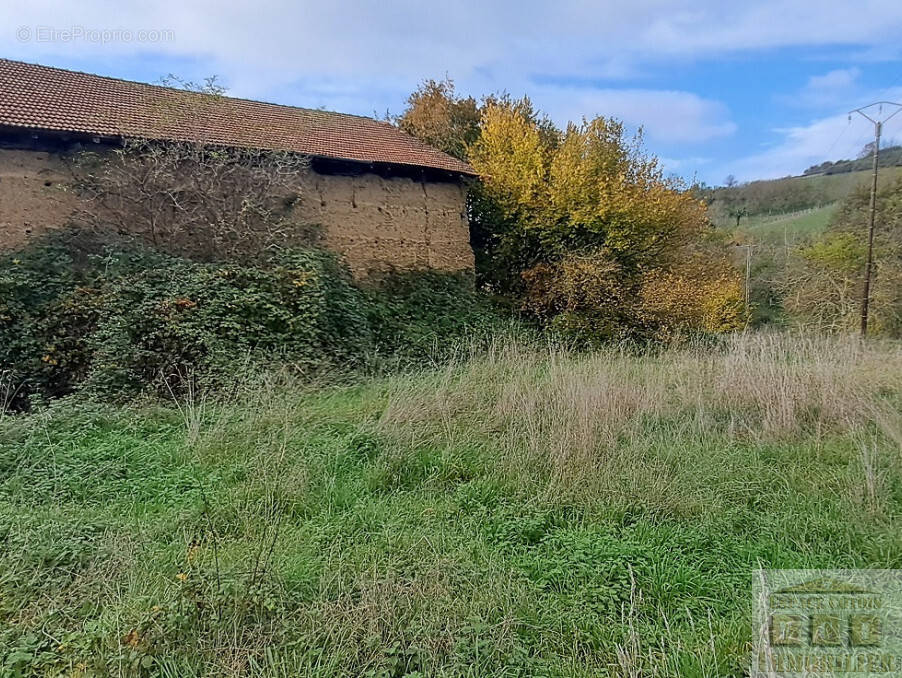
(117, 138)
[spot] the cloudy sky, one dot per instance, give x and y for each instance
(754, 89)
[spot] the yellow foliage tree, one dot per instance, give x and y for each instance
(513, 156)
(587, 188)
(601, 183)
(584, 227)
(702, 293)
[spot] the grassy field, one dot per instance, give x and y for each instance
(787, 228)
(522, 512)
(825, 193)
(837, 186)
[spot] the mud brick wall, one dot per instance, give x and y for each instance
(382, 222)
(378, 222)
(34, 195)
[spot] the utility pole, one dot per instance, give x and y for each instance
(878, 129)
(748, 276)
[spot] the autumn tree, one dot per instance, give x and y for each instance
(572, 223)
(437, 115)
(583, 217)
(589, 187)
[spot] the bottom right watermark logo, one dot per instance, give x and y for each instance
(827, 623)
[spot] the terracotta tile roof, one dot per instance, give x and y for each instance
(43, 98)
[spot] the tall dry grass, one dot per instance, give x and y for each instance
(586, 422)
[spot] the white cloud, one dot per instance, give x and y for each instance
(667, 116)
(799, 147)
(270, 43)
(706, 27)
(830, 89)
(363, 55)
(841, 78)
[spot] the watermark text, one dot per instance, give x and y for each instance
(96, 36)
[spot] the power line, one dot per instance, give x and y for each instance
(837, 140)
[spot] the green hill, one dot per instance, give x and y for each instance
(807, 200)
(889, 157)
(787, 228)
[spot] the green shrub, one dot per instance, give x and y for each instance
(79, 312)
(417, 316)
(823, 286)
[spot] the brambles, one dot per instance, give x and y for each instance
(81, 313)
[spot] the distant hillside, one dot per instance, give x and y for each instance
(788, 195)
(785, 229)
(889, 157)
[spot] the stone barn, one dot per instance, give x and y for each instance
(381, 198)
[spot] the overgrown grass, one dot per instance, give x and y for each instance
(520, 512)
(788, 228)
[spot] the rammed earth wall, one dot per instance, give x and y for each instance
(376, 218)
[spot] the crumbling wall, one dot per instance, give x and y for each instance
(34, 195)
(377, 222)
(380, 223)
